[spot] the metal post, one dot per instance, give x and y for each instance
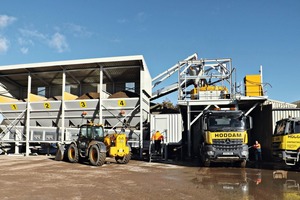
(141, 113)
(28, 115)
(100, 95)
(17, 143)
(63, 106)
(189, 129)
(232, 89)
(261, 80)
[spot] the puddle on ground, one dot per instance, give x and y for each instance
(237, 183)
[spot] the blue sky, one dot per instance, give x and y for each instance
(252, 33)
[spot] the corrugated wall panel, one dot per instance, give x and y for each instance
(170, 125)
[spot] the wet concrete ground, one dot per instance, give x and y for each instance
(40, 177)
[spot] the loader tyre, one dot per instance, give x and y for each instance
(73, 156)
(96, 157)
(123, 160)
(59, 156)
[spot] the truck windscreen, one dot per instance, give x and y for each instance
(280, 128)
(287, 127)
(223, 123)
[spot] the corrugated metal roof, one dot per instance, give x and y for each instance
(126, 68)
(279, 104)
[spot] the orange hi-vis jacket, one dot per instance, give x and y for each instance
(257, 146)
(157, 136)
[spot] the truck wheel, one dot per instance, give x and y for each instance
(123, 160)
(95, 156)
(243, 163)
(73, 156)
(206, 163)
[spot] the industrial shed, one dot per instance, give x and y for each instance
(46, 102)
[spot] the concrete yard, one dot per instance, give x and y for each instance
(41, 177)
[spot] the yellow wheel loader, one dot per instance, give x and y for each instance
(93, 146)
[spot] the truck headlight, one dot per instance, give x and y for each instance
(210, 153)
(245, 188)
(245, 153)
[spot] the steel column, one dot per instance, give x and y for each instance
(189, 130)
(141, 113)
(28, 115)
(63, 106)
(100, 95)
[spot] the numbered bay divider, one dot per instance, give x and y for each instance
(13, 112)
(116, 110)
(46, 117)
(45, 113)
(48, 113)
(77, 112)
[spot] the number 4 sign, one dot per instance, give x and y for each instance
(121, 102)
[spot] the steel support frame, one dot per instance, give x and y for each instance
(222, 73)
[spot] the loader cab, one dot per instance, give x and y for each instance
(91, 132)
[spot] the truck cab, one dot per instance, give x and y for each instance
(286, 141)
(224, 137)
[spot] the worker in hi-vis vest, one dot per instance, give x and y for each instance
(257, 148)
(157, 137)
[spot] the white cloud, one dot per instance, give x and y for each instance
(6, 20)
(4, 44)
(23, 41)
(33, 33)
(58, 42)
(24, 50)
(77, 30)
